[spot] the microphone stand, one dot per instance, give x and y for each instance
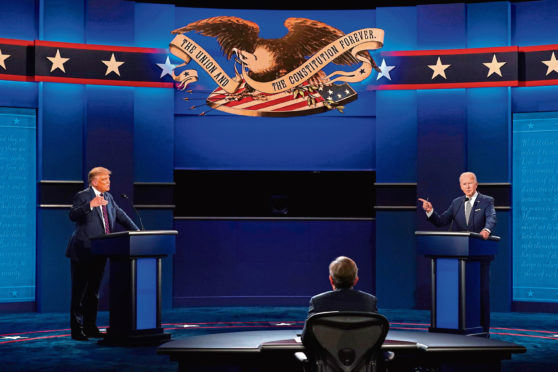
(124, 196)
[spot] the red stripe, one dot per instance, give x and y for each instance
(126, 83)
(538, 83)
(450, 51)
(16, 42)
(16, 77)
(538, 48)
(448, 85)
(57, 44)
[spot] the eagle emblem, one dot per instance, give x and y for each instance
(278, 77)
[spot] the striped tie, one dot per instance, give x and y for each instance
(105, 217)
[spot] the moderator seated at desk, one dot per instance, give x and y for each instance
(274, 351)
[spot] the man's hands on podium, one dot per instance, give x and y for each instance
(97, 202)
(426, 205)
(485, 234)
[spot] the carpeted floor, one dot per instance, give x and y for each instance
(41, 342)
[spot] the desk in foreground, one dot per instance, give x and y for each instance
(274, 351)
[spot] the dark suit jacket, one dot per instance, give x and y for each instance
(89, 223)
(483, 215)
(346, 299)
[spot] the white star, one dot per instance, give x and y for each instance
(112, 65)
(530, 293)
(439, 69)
(552, 64)
(3, 58)
(167, 67)
(494, 66)
(58, 61)
(16, 121)
(384, 70)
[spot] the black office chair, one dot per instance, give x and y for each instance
(344, 341)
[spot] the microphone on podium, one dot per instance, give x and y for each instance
(124, 196)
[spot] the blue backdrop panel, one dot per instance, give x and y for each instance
(441, 147)
(61, 115)
(398, 24)
(488, 24)
(396, 136)
(533, 99)
(441, 157)
(18, 131)
(264, 262)
(109, 22)
(441, 26)
(109, 136)
(248, 143)
(62, 20)
(501, 267)
(395, 259)
(535, 211)
(153, 24)
(488, 134)
(153, 134)
(53, 267)
(18, 94)
(531, 18)
(18, 19)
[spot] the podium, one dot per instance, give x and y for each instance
(135, 284)
(460, 263)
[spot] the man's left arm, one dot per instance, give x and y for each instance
(490, 218)
(122, 218)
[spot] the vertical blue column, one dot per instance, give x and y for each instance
(489, 135)
(396, 151)
(441, 126)
(61, 120)
(154, 127)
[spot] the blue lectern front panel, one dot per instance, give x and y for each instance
(146, 293)
(447, 293)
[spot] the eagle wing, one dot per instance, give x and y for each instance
(306, 37)
(230, 32)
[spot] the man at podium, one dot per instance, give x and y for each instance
(95, 213)
(472, 212)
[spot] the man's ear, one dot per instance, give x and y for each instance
(331, 282)
(356, 281)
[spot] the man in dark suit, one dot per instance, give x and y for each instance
(471, 212)
(343, 276)
(95, 213)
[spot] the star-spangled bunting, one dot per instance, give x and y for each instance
(552, 64)
(166, 67)
(439, 69)
(384, 70)
(113, 65)
(58, 61)
(39, 60)
(494, 67)
(3, 58)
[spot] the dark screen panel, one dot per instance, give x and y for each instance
(274, 194)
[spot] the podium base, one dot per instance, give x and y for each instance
(143, 337)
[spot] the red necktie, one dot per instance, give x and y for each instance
(105, 218)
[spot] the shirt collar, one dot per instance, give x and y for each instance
(97, 192)
(474, 197)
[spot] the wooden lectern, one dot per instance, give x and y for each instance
(135, 284)
(460, 264)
